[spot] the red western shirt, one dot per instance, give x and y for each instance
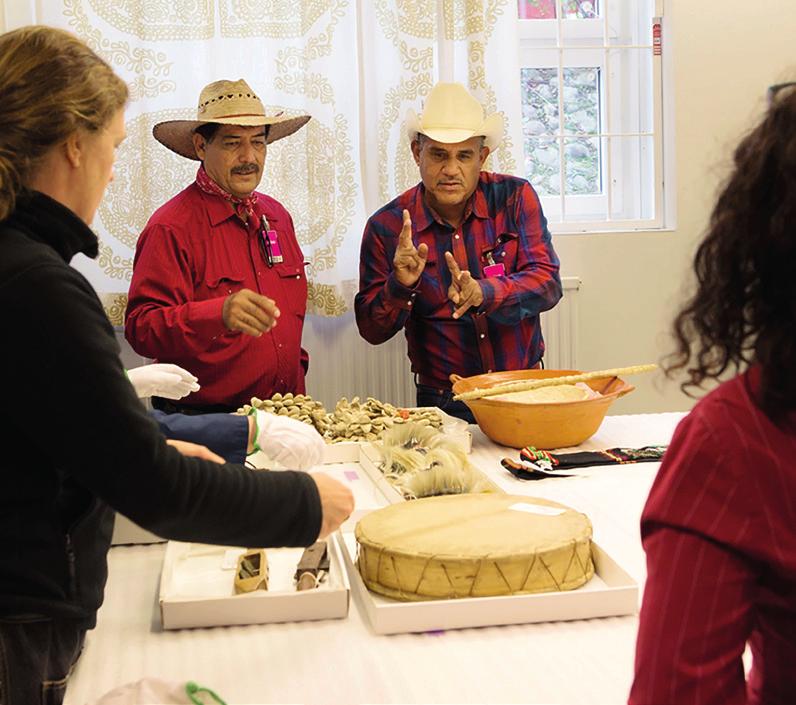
(193, 253)
(719, 529)
(503, 224)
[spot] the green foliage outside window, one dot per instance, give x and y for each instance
(541, 127)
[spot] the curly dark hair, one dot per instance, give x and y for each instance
(744, 309)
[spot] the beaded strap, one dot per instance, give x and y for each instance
(533, 454)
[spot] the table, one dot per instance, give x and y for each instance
(342, 661)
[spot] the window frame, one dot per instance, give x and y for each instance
(572, 41)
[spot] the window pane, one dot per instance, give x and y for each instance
(582, 166)
(546, 9)
(580, 9)
(582, 100)
(542, 165)
(536, 9)
(542, 130)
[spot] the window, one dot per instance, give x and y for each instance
(591, 111)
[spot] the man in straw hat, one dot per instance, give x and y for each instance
(218, 266)
(463, 261)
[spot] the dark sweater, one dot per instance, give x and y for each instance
(75, 441)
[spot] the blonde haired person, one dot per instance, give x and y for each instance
(61, 118)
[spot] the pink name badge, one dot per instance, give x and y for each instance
(495, 270)
(273, 243)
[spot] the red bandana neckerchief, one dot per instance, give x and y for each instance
(244, 207)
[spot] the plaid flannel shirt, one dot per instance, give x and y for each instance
(504, 224)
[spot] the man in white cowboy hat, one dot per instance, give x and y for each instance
(463, 261)
(218, 281)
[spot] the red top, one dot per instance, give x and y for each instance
(192, 254)
(719, 529)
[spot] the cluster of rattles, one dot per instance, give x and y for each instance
(353, 420)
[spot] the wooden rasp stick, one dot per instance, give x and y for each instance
(526, 384)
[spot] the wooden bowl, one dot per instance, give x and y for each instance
(546, 425)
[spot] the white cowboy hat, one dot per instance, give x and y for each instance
(452, 115)
(227, 103)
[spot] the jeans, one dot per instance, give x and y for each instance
(36, 658)
(443, 399)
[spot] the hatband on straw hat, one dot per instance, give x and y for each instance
(225, 103)
(452, 115)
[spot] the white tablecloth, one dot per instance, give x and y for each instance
(342, 661)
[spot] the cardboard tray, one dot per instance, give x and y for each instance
(196, 591)
(611, 592)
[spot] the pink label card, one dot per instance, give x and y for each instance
(273, 241)
(495, 270)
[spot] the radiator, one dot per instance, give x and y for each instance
(342, 364)
(560, 329)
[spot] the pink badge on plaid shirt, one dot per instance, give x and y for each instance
(495, 270)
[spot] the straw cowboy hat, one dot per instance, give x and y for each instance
(227, 103)
(452, 115)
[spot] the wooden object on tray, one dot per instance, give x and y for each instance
(525, 385)
(252, 571)
(312, 567)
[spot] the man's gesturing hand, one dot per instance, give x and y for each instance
(464, 291)
(409, 261)
(249, 313)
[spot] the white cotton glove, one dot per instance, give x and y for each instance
(162, 380)
(293, 444)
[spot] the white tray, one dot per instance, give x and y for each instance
(367, 495)
(196, 591)
(610, 592)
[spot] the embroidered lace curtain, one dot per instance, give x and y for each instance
(356, 66)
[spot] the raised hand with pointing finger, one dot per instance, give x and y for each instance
(464, 291)
(409, 261)
(504, 271)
